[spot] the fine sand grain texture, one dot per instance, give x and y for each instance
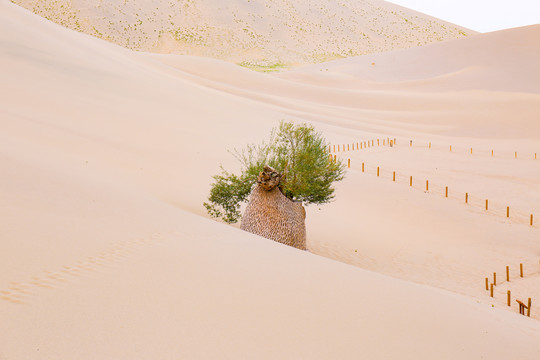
(107, 253)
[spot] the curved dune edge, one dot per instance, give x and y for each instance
(106, 158)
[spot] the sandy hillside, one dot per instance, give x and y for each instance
(261, 34)
(501, 61)
(107, 156)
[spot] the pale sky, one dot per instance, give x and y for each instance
(479, 15)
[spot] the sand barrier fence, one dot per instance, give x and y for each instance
(524, 306)
(461, 149)
(488, 206)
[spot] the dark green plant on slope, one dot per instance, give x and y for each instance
(299, 151)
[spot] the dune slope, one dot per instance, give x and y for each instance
(261, 34)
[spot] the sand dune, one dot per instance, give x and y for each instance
(499, 61)
(107, 156)
(261, 34)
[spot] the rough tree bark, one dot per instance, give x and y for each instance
(272, 215)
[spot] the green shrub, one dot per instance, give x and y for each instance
(297, 149)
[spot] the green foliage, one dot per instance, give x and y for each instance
(297, 149)
(264, 68)
(226, 194)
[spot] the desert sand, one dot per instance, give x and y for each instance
(107, 155)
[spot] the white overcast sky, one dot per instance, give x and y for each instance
(479, 15)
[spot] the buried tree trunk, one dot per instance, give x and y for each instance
(272, 215)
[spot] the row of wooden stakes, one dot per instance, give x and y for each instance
(361, 145)
(531, 218)
(522, 306)
(471, 150)
(391, 142)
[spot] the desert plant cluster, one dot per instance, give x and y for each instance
(297, 151)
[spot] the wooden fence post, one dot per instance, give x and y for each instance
(338, 148)
(495, 278)
(492, 153)
(427, 185)
(491, 290)
(471, 151)
(349, 163)
(486, 204)
(347, 147)
(450, 148)
(531, 219)
(487, 284)
(394, 176)
(362, 167)
(508, 211)
(508, 297)
(520, 270)
(466, 198)
(430, 144)
(446, 192)
(410, 181)
(529, 308)
(516, 154)
(508, 273)
(377, 171)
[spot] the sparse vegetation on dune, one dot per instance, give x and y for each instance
(264, 68)
(280, 32)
